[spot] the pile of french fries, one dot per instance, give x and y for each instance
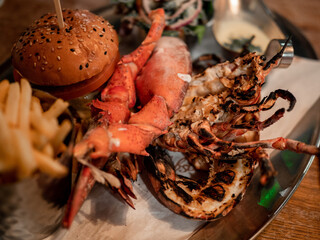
(30, 138)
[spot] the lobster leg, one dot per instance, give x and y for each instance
(226, 146)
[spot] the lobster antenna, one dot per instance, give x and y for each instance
(57, 6)
(278, 55)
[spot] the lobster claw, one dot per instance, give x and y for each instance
(169, 82)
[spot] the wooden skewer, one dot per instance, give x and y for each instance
(57, 6)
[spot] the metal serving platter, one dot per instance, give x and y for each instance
(260, 204)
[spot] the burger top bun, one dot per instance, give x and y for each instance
(49, 56)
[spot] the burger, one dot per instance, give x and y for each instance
(67, 62)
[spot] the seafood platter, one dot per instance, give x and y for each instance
(104, 112)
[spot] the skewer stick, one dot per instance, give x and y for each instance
(57, 6)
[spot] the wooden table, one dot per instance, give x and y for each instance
(300, 218)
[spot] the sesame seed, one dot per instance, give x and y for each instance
(48, 40)
(36, 54)
(44, 57)
(101, 35)
(52, 49)
(105, 53)
(45, 63)
(80, 67)
(30, 55)
(88, 36)
(111, 40)
(59, 41)
(42, 68)
(72, 50)
(59, 47)
(34, 64)
(80, 40)
(30, 43)
(59, 69)
(90, 60)
(43, 37)
(103, 29)
(39, 58)
(87, 65)
(94, 29)
(71, 43)
(58, 57)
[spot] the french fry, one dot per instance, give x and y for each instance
(48, 150)
(7, 151)
(50, 166)
(24, 107)
(4, 86)
(56, 109)
(26, 161)
(61, 134)
(36, 105)
(29, 137)
(40, 123)
(38, 140)
(12, 104)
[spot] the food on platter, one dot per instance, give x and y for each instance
(217, 124)
(152, 99)
(69, 62)
(183, 18)
(32, 138)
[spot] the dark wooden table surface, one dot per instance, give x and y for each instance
(300, 218)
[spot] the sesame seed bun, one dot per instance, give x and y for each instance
(49, 56)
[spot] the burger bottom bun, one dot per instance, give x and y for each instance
(77, 89)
